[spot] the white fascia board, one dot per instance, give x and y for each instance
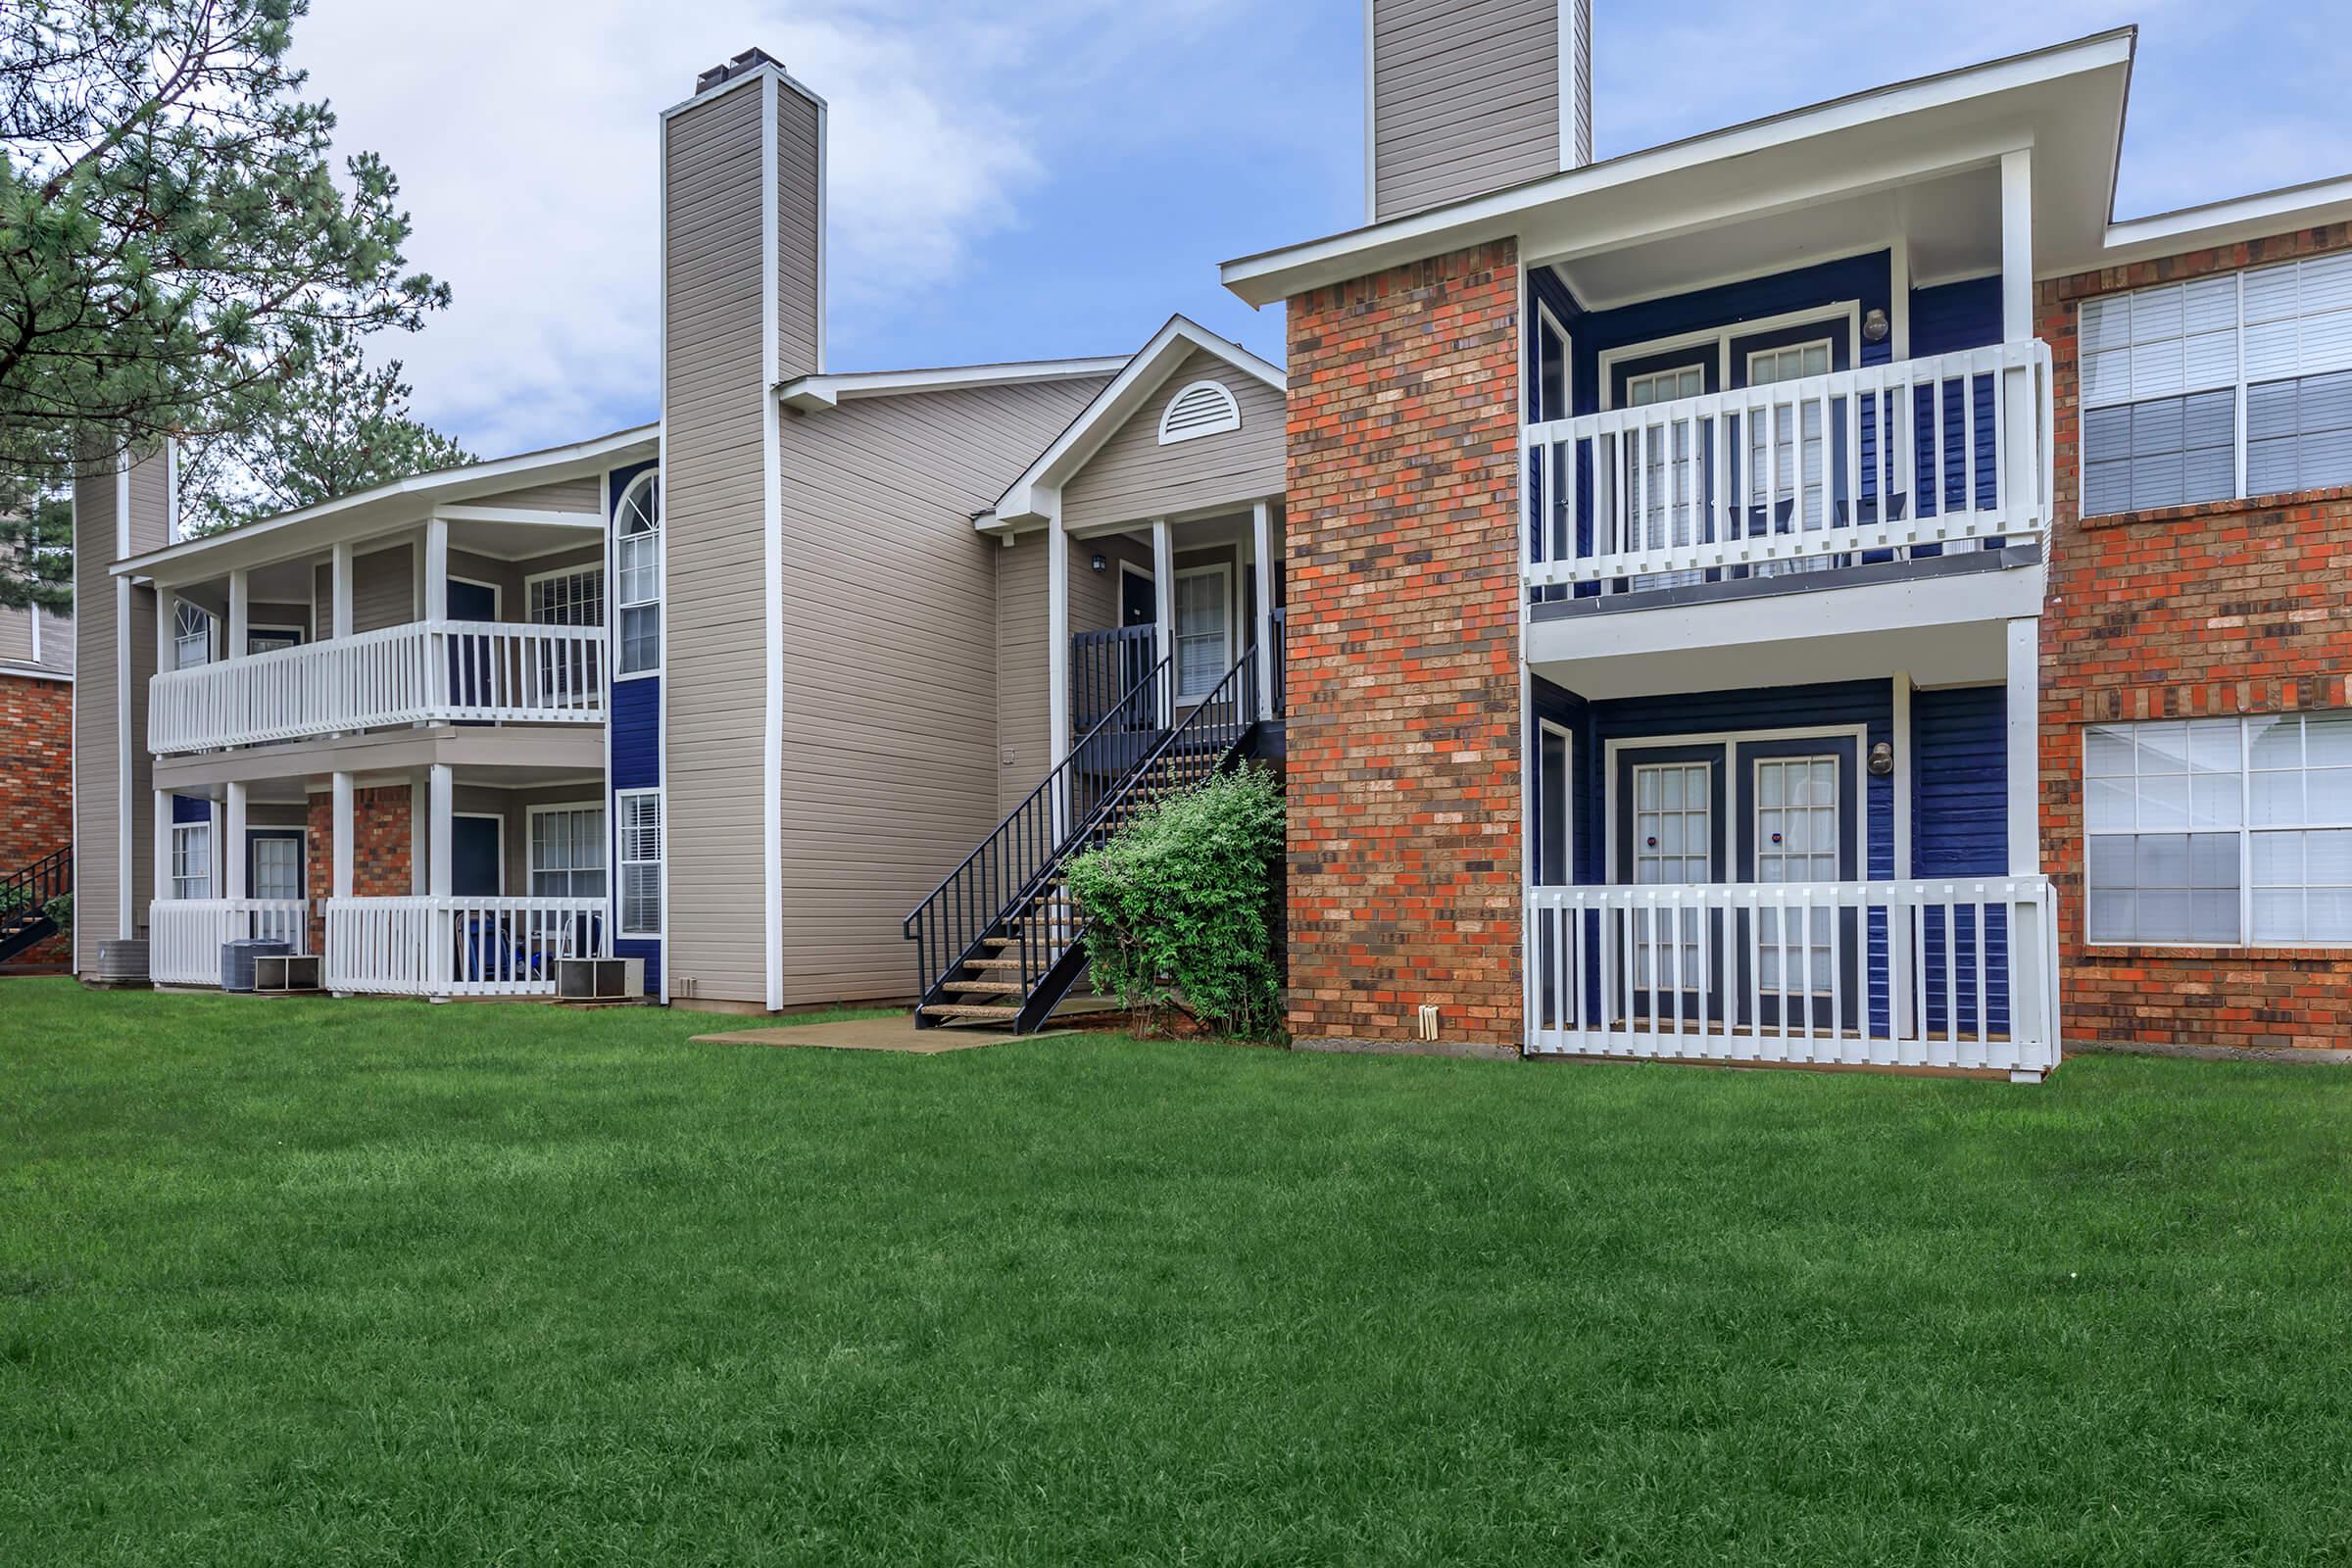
(808, 394)
(1025, 499)
(756, 74)
(330, 521)
(2223, 222)
(1278, 275)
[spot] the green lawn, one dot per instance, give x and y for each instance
(307, 1282)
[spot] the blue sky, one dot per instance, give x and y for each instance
(1022, 178)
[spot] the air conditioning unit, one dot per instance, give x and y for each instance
(600, 979)
(239, 955)
(122, 963)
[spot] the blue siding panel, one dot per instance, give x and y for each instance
(1955, 316)
(649, 952)
(636, 731)
(192, 809)
(1960, 827)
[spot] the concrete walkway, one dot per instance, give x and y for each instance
(895, 1033)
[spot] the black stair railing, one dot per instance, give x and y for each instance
(1105, 666)
(1009, 865)
(25, 893)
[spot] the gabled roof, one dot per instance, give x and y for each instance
(1027, 497)
(387, 506)
(2065, 102)
(809, 393)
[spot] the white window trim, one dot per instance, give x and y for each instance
(583, 569)
(1225, 569)
(1566, 802)
(1827, 348)
(661, 866)
(2244, 832)
(301, 635)
(1722, 741)
(174, 878)
(1720, 340)
(530, 845)
(1756, 804)
(209, 633)
(302, 857)
(1545, 318)
(498, 597)
(650, 477)
(1663, 373)
(1227, 417)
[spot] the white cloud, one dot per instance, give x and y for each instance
(524, 132)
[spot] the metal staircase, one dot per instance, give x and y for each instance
(25, 897)
(999, 943)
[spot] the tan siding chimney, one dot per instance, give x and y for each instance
(741, 310)
(1468, 96)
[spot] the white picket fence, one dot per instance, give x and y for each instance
(1794, 476)
(185, 935)
(460, 947)
(419, 672)
(1933, 974)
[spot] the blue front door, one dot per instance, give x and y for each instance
(473, 857)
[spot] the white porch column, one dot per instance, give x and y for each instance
(2022, 710)
(232, 842)
(444, 795)
(345, 827)
(1163, 590)
(436, 569)
(162, 880)
(1898, 921)
(421, 837)
(1057, 633)
(240, 613)
(2021, 404)
(1261, 527)
(166, 626)
(339, 612)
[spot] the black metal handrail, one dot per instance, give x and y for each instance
(1281, 627)
(33, 886)
(1106, 665)
(1009, 865)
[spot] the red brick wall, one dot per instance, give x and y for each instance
(1404, 651)
(36, 757)
(2240, 607)
(379, 856)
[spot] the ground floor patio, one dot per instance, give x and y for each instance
(302, 1281)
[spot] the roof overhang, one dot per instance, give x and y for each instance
(406, 502)
(2064, 102)
(808, 394)
(1027, 499)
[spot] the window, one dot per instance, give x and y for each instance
(269, 639)
(1549, 395)
(1673, 843)
(568, 852)
(278, 867)
(1202, 629)
(640, 862)
(1205, 408)
(2167, 371)
(637, 576)
(191, 636)
(1781, 462)
(2221, 831)
(192, 860)
(568, 598)
(1667, 490)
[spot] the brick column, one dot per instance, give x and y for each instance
(1404, 652)
(379, 856)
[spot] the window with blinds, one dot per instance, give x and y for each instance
(1203, 622)
(2233, 385)
(568, 852)
(569, 599)
(640, 862)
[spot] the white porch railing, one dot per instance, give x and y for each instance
(419, 672)
(1857, 467)
(185, 935)
(1926, 975)
(460, 947)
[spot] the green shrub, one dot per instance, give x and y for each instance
(1182, 901)
(61, 910)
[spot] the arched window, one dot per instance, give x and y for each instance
(1205, 408)
(637, 575)
(191, 636)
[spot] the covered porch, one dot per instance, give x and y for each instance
(1833, 861)
(434, 863)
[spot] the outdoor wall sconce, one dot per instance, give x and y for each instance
(1099, 560)
(1874, 326)
(1882, 760)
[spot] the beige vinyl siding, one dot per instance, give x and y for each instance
(57, 641)
(1132, 478)
(150, 529)
(383, 589)
(890, 766)
(582, 494)
(1024, 695)
(800, 216)
(714, 404)
(96, 696)
(1465, 98)
(16, 635)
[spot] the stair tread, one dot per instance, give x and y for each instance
(987, 987)
(967, 1009)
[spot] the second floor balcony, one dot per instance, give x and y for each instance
(417, 672)
(1845, 475)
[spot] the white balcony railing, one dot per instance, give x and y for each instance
(419, 672)
(1926, 975)
(1885, 464)
(460, 947)
(185, 935)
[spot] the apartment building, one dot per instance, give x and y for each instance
(36, 756)
(1822, 592)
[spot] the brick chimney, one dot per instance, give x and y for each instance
(1463, 97)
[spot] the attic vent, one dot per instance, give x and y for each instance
(1205, 408)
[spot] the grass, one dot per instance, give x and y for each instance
(348, 1283)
